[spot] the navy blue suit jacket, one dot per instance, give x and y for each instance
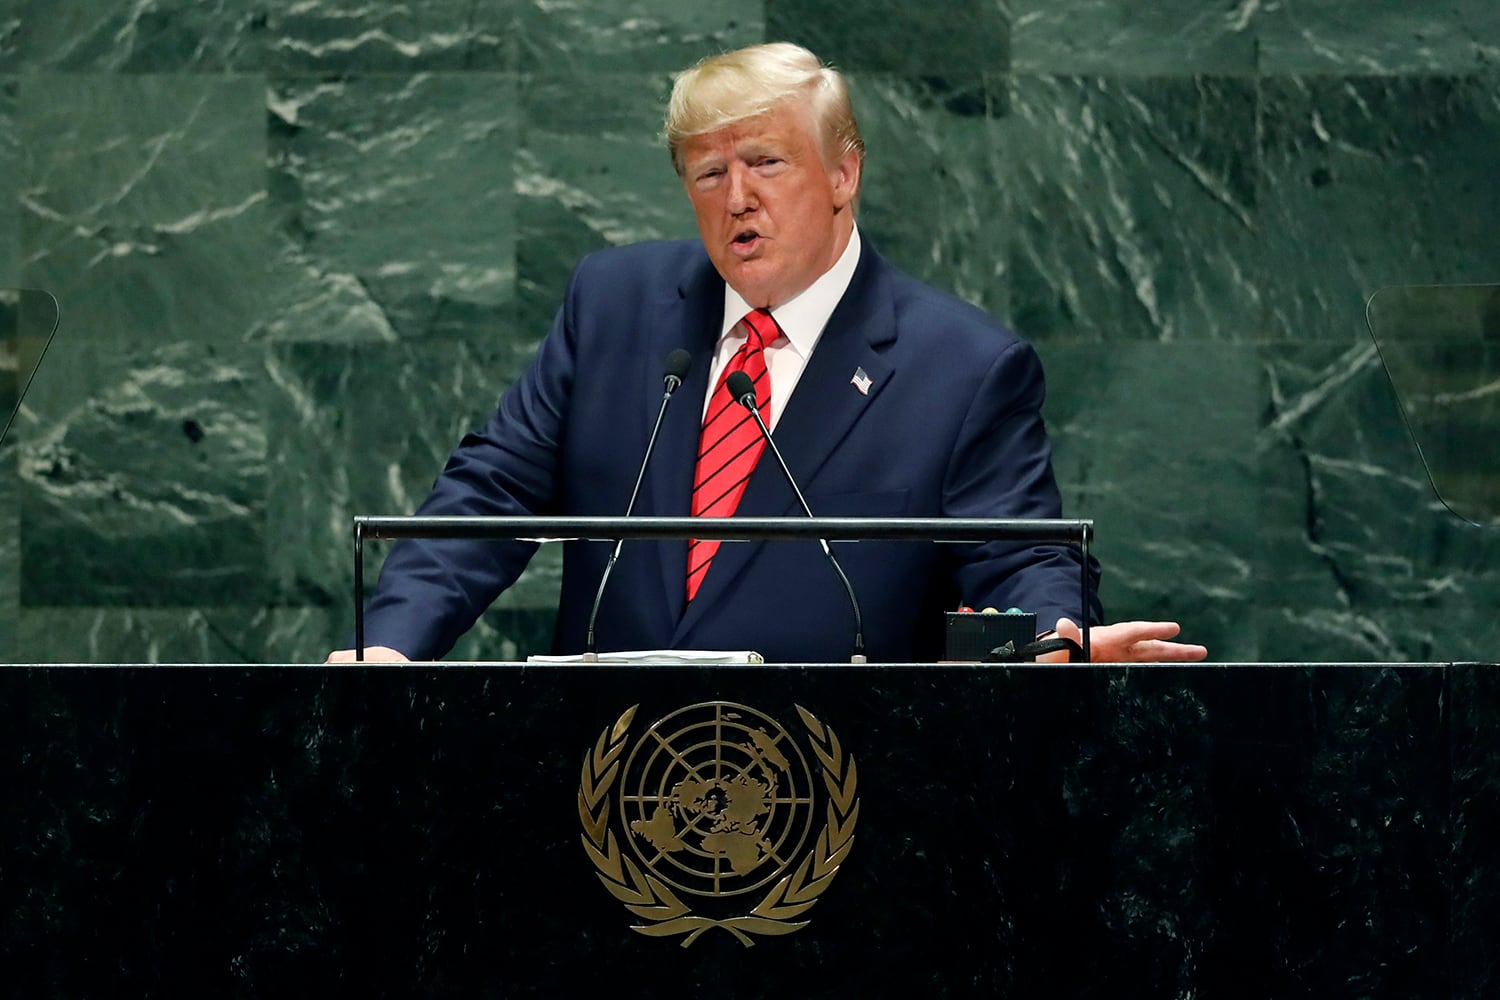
(950, 426)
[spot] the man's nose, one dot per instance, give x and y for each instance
(742, 196)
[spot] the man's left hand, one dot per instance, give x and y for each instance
(1130, 642)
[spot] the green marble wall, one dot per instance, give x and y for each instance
(301, 246)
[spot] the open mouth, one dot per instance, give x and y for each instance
(745, 240)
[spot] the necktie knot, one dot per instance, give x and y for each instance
(760, 329)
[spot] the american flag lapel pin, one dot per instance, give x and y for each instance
(861, 381)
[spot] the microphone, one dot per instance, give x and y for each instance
(677, 366)
(743, 390)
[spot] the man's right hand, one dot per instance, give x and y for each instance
(373, 654)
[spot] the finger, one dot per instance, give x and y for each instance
(373, 654)
(1154, 651)
(1132, 632)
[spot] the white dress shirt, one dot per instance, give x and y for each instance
(801, 318)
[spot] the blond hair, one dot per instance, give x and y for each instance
(735, 86)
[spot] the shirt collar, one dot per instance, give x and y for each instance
(803, 316)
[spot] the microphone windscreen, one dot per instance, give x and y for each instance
(678, 363)
(740, 386)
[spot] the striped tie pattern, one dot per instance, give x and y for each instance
(730, 443)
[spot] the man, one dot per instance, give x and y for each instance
(888, 398)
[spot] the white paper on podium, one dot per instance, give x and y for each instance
(639, 656)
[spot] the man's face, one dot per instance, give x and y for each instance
(773, 215)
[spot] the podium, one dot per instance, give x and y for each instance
(423, 830)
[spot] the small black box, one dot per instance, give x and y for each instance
(972, 634)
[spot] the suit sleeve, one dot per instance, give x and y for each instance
(431, 591)
(1002, 467)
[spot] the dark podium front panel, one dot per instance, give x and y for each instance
(838, 831)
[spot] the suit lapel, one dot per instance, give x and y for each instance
(690, 322)
(822, 411)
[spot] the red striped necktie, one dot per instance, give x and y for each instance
(731, 443)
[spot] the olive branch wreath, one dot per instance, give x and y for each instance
(650, 899)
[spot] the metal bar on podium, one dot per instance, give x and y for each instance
(359, 588)
(1086, 529)
(970, 530)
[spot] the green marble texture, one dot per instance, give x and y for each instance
(143, 203)
(370, 36)
(1243, 37)
(590, 37)
(896, 36)
(10, 36)
(1378, 37)
(1161, 38)
(148, 36)
(1359, 551)
(1137, 214)
(591, 172)
(302, 247)
(10, 520)
(935, 194)
(393, 205)
(1372, 182)
(10, 209)
(163, 635)
(151, 490)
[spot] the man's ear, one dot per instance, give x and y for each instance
(845, 177)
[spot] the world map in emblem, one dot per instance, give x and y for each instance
(717, 798)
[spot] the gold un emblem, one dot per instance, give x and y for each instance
(716, 803)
